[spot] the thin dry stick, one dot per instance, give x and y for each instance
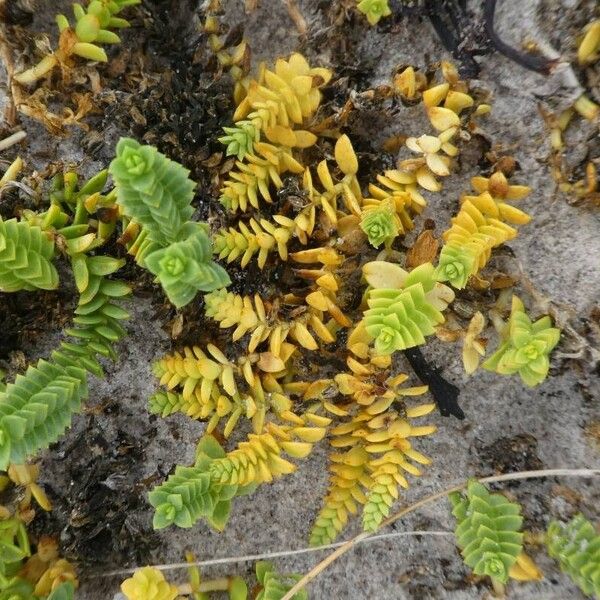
(320, 567)
(297, 17)
(270, 555)
(11, 140)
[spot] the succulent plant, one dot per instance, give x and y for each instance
(153, 190)
(93, 26)
(576, 546)
(487, 531)
(186, 267)
(148, 584)
(526, 346)
(381, 223)
(26, 253)
(401, 314)
(374, 10)
(273, 585)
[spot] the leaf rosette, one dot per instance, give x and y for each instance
(184, 268)
(526, 348)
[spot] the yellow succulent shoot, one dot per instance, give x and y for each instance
(409, 83)
(402, 187)
(590, 44)
(525, 569)
(58, 572)
(501, 191)
(587, 108)
(374, 10)
(473, 348)
(431, 162)
(386, 436)
(443, 118)
(218, 389)
(454, 100)
(12, 172)
(27, 476)
(260, 238)
(148, 584)
(346, 188)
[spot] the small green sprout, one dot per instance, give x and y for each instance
(380, 223)
(526, 347)
(240, 139)
(456, 265)
(92, 27)
(374, 10)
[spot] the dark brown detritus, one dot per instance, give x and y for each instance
(444, 393)
(16, 12)
(529, 61)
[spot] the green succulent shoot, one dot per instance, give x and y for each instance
(182, 498)
(576, 546)
(374, 10)
(185, 268)
(92, 27)
(380, 223)
(275, 586)
(26, 253)
(152, 190)
(240, 139)
(190, 493)
(487, 531)
(526, 347)
(400, 318)
(14, 546)
(456, 265)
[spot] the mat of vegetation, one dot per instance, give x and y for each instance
(167, 85)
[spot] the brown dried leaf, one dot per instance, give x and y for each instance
(137, 116)
(213, 160)
(394, 143)
(34, 106)
(448, 335)
(177, 326)
(269, 363)
(502, 281)
(424, 250)
(479, 283)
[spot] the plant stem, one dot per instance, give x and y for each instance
(42, 68)
(214, 585)
(499, 589)
(13, 139)
(539, 64)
